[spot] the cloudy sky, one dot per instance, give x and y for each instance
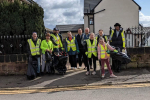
(59, 12)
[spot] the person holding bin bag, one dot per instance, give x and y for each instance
(46, 46)
(71, 47)
(104, 57)
(91, 48)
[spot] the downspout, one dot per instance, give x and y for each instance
(93, 24)
(88, 21)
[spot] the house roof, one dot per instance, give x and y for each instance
(47, 29)
(92, 4)
(70, 27)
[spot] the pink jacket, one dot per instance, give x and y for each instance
(99, 50)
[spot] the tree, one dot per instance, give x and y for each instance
(21, 19)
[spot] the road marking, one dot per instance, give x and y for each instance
(88, 87)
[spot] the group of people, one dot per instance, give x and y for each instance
(86, 46)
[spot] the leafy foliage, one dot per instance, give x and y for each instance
(20, 19)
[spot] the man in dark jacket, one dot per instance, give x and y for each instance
(101, 34)
(117, 39)
(82, 50)
(56, 40)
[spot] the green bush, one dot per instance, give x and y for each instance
(21, 19)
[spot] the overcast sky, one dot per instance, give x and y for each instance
(59, 12)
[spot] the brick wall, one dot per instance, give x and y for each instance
(13, 64)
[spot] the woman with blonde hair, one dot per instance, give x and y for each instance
(91, 52)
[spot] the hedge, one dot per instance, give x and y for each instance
(21, 19)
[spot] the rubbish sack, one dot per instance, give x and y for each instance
(32, 68)
(121, 57)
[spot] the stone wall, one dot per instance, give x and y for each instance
(17, 64)
(13, 64)
(140, 57)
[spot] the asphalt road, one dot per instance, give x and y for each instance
(142, 93)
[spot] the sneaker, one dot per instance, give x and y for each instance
(103, 75)
(94, 73)
(112, 76)
(87, 73)
(79, 67)
(75, 68)
(91, 67)
(72, 68)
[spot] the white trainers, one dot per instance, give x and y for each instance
(113, 76)
(79, 67)
(87, 73)
(103, 75)
(72, 68)
(75, 68)
(94, 73)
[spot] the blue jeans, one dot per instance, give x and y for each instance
(39, 67)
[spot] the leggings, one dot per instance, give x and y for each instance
(103, 61)
(94, 62)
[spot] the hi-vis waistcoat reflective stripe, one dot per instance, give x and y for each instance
(57, 41)
(91, 48)
(35, 50)
(71, 44)
(123, 37)
(103, 51)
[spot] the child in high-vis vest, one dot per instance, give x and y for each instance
(104, 57)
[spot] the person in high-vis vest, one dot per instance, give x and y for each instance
(101, 34)
(71, 47)
(57, 44)
(86, 36)
(103, 57)
(46, 46)
(56, 40)
(33, 49)
(91, 52)
(117, 39)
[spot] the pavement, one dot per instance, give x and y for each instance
(76, 78)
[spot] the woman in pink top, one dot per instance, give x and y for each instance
(102, 47)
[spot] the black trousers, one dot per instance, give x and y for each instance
(94, 62)
(85, 59)
(73, 60)
(90, 62)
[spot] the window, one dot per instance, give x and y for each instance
(91, 21)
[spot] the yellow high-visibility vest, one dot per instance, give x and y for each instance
(91, 48)
(57, 41)
(35, 50)
(103, 51)
(71, 44)
(123, 37)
